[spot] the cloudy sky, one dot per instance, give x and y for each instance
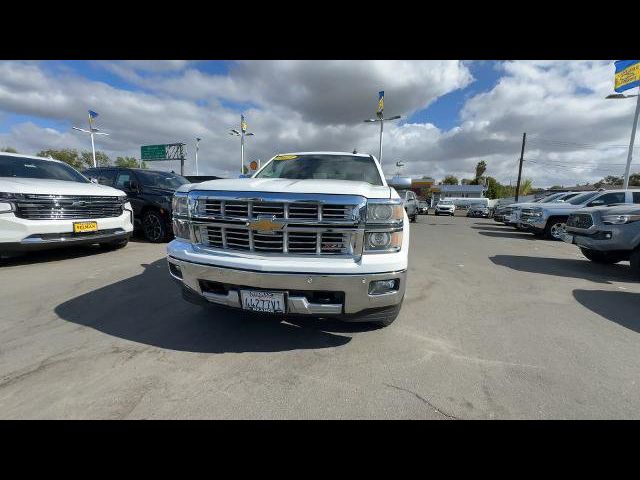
(454, 113)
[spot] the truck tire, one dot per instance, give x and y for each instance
(601, 257)
(634, 261)
(153, 227)
(555, 228)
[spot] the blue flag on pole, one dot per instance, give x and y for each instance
(92, 114)
(627, 74)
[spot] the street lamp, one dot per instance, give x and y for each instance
(197, 146)
(380, 118)
(633, 132)
(92, 131)
(242, 133)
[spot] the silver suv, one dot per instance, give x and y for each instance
(607, 234)
(550, 219)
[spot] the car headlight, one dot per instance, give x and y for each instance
(180, 205)
(384, 212)
(619, 219)
(6, 204)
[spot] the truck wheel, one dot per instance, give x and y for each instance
(601, 257)
(555, 228)
(153, 227)
(634, 261)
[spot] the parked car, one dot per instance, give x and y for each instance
(45, 203)
(332, 243)
(550, 219)
(607, 234)
(149, 191)
(423, 208)
(513, 219)
(479, 210)
(445, 207)
(410, 203)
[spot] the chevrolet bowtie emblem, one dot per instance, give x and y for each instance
(265, 225)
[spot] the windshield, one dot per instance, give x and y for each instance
(551, 198)
(20, 167)
(166, 181)
(580, 199)
(445, 202)
(321, 167)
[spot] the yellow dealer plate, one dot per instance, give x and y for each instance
(82, 227)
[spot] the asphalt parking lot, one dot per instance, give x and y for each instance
(495, 324)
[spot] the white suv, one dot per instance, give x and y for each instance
(46, 203)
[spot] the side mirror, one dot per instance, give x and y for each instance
(131, 186)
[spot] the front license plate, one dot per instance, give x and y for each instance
(82, 227)
(263, 301)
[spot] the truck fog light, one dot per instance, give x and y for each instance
(379, 287)
(181, 229)
(175, 270)
(607, 235)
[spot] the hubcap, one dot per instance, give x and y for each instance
(152, 227)
(558, 230)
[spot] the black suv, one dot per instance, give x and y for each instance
(150, 193)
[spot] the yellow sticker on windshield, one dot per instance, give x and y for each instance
(285, 157)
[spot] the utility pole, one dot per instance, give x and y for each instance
(242, 133)
(380, 118)
(92, 131)
(524, 140)
(197, 145)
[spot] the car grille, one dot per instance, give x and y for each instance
(66, 207)
(310, 227)
(580, 220)
(293, 242)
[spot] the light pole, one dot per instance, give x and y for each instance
(380, 118)
(92, 131)
(633, 133)
(242, 133)
(197, 146)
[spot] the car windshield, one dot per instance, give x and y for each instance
(21, 167)
(551, 198)
(322, 167)
(166, 181)
(583, 198)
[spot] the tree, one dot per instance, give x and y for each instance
(77, 160)
(8, 150)
(481, 167)
(102, 159)
(466, 181)
(450, 180)
(130, 162)
(634, 180)
(526, 186)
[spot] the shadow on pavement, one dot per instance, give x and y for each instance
(53, 255)
(619, 307)
(149, 309)
(497, 228)
(510, 234)
(566, 267)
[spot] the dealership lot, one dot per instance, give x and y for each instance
(495, 324)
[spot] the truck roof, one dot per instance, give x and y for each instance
(327, 153)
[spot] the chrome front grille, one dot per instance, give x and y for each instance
(296, 224)
(289, 241)
(67, 207)
(245, 209)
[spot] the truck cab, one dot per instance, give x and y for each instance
(310, 233)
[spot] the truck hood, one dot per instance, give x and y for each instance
(285, 185)
(629, 209)
(55, 187)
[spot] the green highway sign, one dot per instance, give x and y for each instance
(153, 152)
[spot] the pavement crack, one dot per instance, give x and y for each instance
(423, 400)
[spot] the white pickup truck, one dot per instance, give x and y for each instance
(45, 203)
(311, 233)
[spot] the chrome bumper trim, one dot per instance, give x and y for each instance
(355, 287)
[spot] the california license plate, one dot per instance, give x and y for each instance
(263, 301)
(82, 227)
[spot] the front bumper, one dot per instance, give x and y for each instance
(603, 238)
(18, 234)
(353, 289)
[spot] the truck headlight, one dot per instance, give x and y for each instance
(181, 229)
(180, 205)
(382, 241)
(6, 204)
(619, 219)
(384, 211)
